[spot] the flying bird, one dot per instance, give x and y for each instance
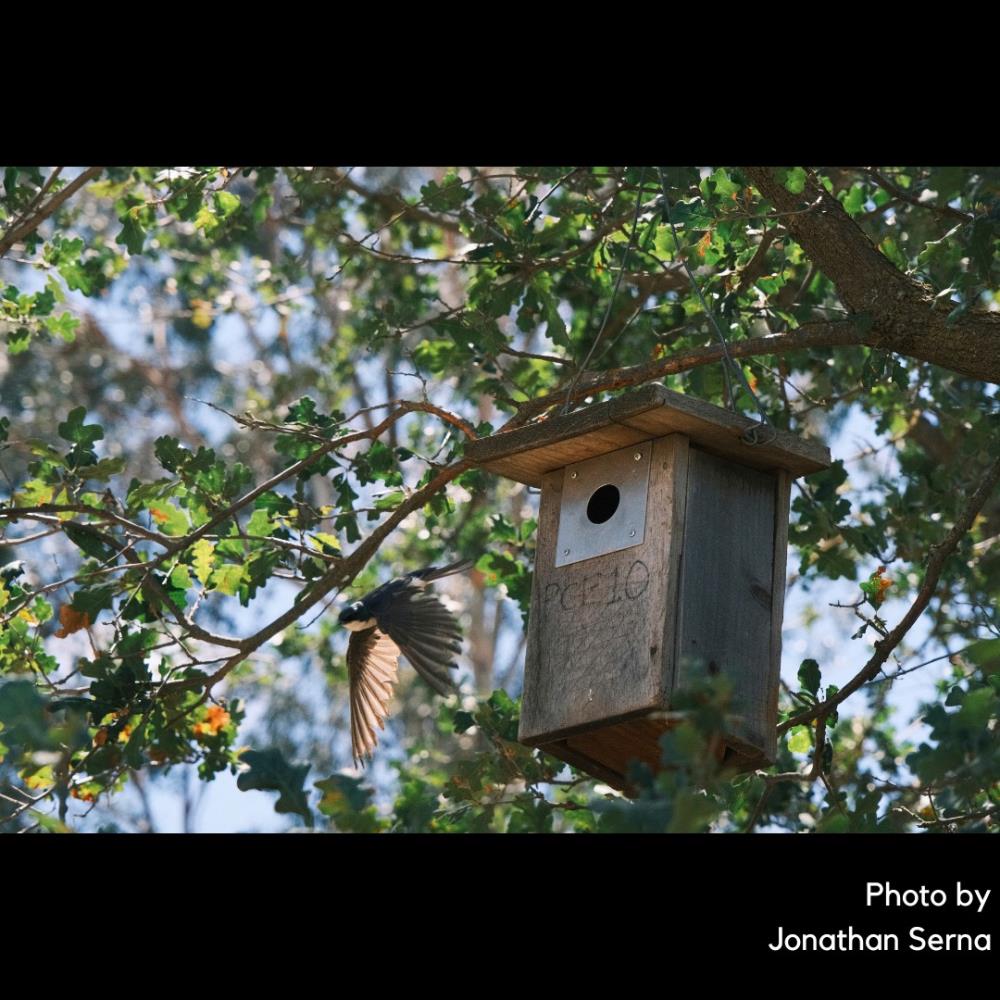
(400, 617)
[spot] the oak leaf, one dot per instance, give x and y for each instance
(71, 621)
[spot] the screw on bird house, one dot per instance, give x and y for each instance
(655, 567)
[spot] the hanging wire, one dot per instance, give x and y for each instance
(614, 295)
(763, 433)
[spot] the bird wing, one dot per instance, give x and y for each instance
(372, 662)
(425, 631)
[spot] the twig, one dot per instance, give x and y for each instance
(935, 564)
(904, 195)
(14, 235)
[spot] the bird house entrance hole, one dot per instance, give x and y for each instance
(603, 505)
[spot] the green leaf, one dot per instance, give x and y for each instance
(270, 772)
(102, 470)
(831, 719)
(203, 552)
(390, 501)
(720, 184)
(445, 197)
(170, 519)
(855, 200)
(93, 600)
(323, 540)
(45, 451)
(556, 328)
(890, 248)
(227, 579)
(794, 179)
(18, 340)
(35, 492)
(809, 676)
(985, 654)
(140, 494)
(88, 542)
(22, 712)
(169, 453)
(55, 289)
(978, 708)
(132, 235)
(180, 578)
(260, 523)
(64, 325)
(348, 804)
(73, 429)
(799, 739)
(226, 203)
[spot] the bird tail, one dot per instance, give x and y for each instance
(436, 573)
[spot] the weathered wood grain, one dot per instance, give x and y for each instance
(596, 648)
(726, 603)
(615, 746)
(783, 488)
(653, 411)
(595, 630)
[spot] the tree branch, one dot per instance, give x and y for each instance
(932, 573)
(810, 336)
(16, 234)
(902, 310)
(904, 195)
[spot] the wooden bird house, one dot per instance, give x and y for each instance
(662, 538)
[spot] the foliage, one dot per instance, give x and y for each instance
(165, 562)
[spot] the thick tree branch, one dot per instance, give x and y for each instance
(899, 312)
(902, 310)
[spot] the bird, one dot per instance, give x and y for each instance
(401, 617)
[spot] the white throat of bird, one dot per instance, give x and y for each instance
(360, 626)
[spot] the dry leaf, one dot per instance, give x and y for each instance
(71, 621)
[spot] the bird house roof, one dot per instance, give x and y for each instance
(527, 453)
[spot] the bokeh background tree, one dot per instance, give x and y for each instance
(233, 395)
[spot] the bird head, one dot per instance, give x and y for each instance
(355, 614)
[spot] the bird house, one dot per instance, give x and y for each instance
(661, 559)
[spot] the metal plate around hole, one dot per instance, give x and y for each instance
(579, 538)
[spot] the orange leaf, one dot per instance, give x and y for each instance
(158, 515)
(216, 718)
(71, 621)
